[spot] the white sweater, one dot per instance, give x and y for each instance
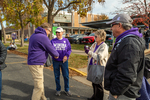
(102, 51)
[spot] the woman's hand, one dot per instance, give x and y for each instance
(86, 48)
(64, 59)
(56, 57)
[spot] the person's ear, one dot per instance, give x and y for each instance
(119, 24)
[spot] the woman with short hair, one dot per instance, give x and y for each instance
(98, 48)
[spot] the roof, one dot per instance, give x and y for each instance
(102, 24)
(97, 24)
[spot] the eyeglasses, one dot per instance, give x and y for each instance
(114, 24)
(57, 32)
(48, 30)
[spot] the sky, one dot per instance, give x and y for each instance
(108, 7)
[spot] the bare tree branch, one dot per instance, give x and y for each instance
(65, 7)
(45, 3)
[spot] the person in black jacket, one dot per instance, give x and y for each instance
(125, 66)
(146, 36)
(3, 54)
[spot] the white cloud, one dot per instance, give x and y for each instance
(108, 7)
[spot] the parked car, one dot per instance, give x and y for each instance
(87, 33)
(76, 38)
(88, 39)
(109, 39)
(91, 38)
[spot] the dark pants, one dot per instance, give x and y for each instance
(147, 42)
(98, 91)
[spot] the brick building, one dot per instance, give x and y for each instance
(70, 22)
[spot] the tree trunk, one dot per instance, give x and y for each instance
(22, 37)
(50, 21)
(33, 28)
(29, 30)
(18, 34)
(3, 31)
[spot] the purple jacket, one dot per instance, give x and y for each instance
(13, 36)
(39, 47)
(63, 47)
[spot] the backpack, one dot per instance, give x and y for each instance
(147, 68)
(147, 33)
(145, 90)
(146, 65)
(48, 61)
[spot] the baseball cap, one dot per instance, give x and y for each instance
(59, 29)
(121, 18)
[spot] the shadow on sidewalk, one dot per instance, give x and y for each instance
(13, 90)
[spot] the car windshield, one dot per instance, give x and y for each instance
(108, 35)
(92, 34)
(73, 36)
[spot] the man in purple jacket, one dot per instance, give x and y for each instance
(39, 47)
(63, 47)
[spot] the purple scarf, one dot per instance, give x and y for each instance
(91, 63)
(132, 31)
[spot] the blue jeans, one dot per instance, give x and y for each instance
(65, 72)
(0, 84)
(8, 48)
(147, 42)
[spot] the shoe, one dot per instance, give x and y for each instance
(68, 93)
(47, 98)
(58, 93)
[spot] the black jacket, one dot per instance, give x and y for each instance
(3, 54)
(125, 67)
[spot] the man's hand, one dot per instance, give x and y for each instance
(56, 57)
(115, 96)
(64, 59)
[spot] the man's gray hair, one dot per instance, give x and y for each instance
(126, 26)
(45, 25)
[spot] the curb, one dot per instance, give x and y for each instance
(22, 52)
(147, 51)
(80, 72)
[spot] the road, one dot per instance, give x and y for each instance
(18, 84)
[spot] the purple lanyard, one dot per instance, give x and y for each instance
(91, 63)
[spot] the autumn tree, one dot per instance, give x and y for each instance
(138, 9)
(101, 17)
(81, 6)
(1, 21)
(19, 13)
